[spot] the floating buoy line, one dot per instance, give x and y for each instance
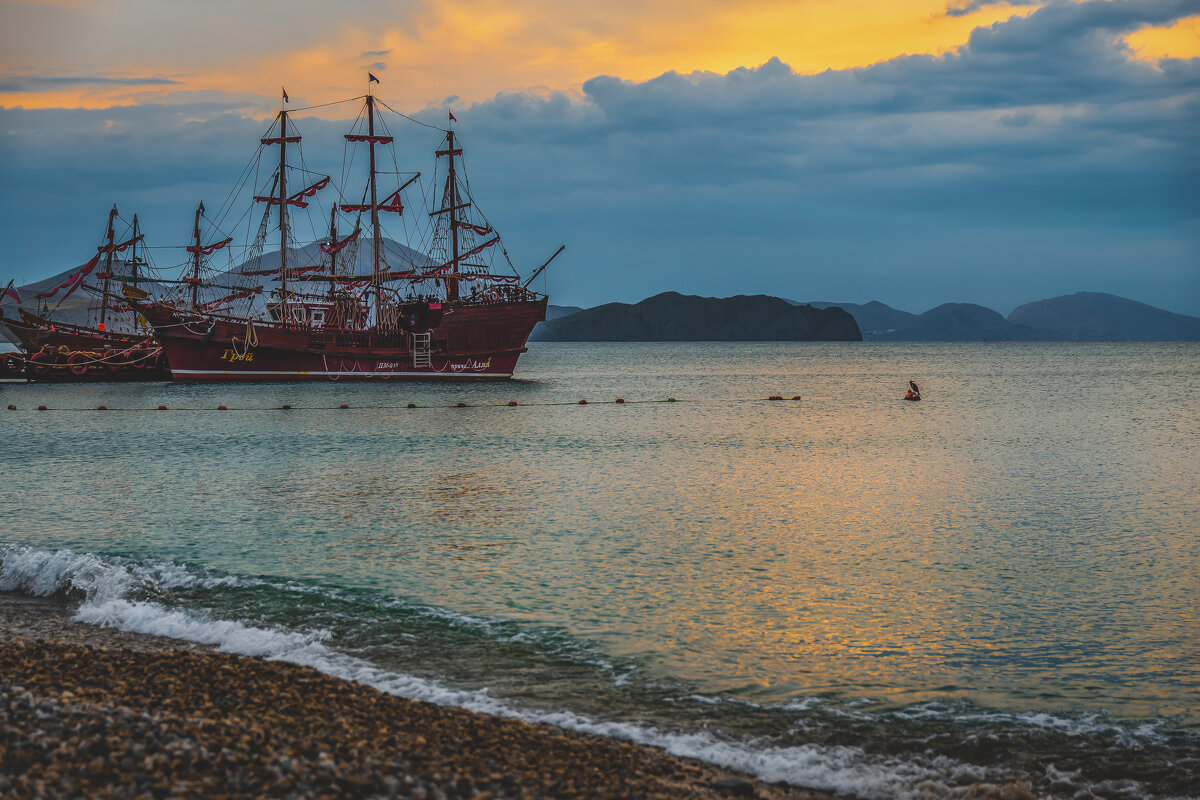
(347, 407)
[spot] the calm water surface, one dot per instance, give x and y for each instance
(998, 585)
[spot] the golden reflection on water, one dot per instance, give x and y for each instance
(986, 543)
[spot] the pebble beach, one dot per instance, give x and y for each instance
(96, 712)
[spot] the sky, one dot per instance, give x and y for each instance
(910, 151)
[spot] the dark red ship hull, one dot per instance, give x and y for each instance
(470, 342)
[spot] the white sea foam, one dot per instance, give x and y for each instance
(106, 582)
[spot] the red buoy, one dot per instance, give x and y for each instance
(222, 408)
(162, 408)
(462, 405)
(41, 408)
(775, 397)
(343, 405)
(583, 402)
(512, 402)
(620, 399)
(797, 397)
(102, 408)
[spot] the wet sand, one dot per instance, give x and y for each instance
(87, 711)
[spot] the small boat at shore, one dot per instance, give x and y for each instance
(110, 345)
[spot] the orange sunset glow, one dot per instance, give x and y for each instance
(62, 55)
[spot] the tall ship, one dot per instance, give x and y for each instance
(94, 335)
(447, 304)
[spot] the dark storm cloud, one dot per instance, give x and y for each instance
(30, 83)
(1037, 160)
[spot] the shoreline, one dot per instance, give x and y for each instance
(87, 710)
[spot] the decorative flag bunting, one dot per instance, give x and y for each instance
(229, 298)
(120, 248)
(390, 203)
(482, 231)
(333, 247)
(295, 199)
(362, 137)
(75, 279)
(210, 249)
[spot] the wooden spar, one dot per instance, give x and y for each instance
(108, 259)
(452, 201)
(133, 252)
(196, 261)
(542, 268)
(284, 314)
(332, 242)
(374, 209)
(437, 211)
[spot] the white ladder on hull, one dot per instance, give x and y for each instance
(421, 346)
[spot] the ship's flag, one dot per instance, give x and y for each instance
(10, 291)
(452, 117)
(371, 78)
(285, 97)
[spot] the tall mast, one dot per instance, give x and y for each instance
(133, 252)
(374, 207)
(108, 259)
(333, 255)
(283, 303)
(452, 201)
(196, 262)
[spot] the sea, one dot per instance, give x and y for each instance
(993, 592)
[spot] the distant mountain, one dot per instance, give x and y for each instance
(1080, 317)
(673, 317)
(875, 319)
(963, 322)
(1095, 316)
(554, 312)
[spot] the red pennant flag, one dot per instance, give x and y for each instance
(452, 117)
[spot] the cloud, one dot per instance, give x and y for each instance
(962, 8)
(375, 53)
(33, 83)
(1038, 159)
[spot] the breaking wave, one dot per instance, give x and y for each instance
(137, 597)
